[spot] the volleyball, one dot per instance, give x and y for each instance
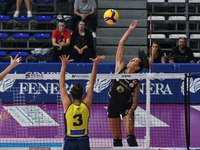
(111, 16)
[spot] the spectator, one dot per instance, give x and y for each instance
(61, 38)
(7, 7)
(82, 44)
(157, 55)
(85, 10)
(181, 53)
(18, 4)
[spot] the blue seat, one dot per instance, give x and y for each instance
(39, 55)
(22, 18)
(50, 1)
(42, 35)
(2, 0)
(3, 53)
(43, 18)
(21, 54)
(20, 35)
(41, 58)
(3, 35)
(4, 17)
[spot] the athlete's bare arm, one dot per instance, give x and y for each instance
(120, 51)
(64, 95)
(89, 96)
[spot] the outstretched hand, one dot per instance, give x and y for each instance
(98, 59)
(133, 25)
(65, 60)
(5, 115)
(16, 61)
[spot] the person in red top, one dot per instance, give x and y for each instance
(61, 38)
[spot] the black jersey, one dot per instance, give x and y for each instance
(122, 89)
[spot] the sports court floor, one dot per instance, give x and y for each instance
(37, 125)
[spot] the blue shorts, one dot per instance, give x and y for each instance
(77, 144)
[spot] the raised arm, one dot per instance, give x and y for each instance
(64, 95)
(13, 63)
(89, 96)
(120, 51)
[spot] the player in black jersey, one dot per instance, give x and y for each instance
(120, 93)
(77, 112)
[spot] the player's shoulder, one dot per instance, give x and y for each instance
(85, 105)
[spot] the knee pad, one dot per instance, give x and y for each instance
(117, 142)
(131, 140)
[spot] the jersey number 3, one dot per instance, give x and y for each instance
(79, 119)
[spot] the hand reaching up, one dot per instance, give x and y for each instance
(65, 60)
(98, 59)
(16, 61)
(133, 25)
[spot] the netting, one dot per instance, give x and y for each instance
(37, 120)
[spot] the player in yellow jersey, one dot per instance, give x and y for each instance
(77, 112)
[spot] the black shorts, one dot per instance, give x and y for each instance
(115, 108)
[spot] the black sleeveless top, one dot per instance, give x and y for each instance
(122, 89)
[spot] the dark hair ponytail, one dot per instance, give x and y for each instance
(77, 91)
(144, 61)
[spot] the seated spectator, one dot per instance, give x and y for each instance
(85, 10)
(157, 55)
(7, 7)
(82, 44)
(61, 38)
(18, 4)
(181, 53)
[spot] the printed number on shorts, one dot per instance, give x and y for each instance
(79, 119)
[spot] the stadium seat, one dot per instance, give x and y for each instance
(39, 55)
(176, 36)
(194, 1)
(194, 18)
(156, 1)
(196, 55)
(21, 54)
(177, 18)
(157, 18)
(3, 35)
(3, 53)
(43, 18)
(176, 1)
(22, 18)
(195, 36)
(157, 36)
(3, 57)
(38, 58)
(4, 17)
(42, 35)
(20, 35)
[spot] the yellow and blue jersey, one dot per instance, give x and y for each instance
(76, 120)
